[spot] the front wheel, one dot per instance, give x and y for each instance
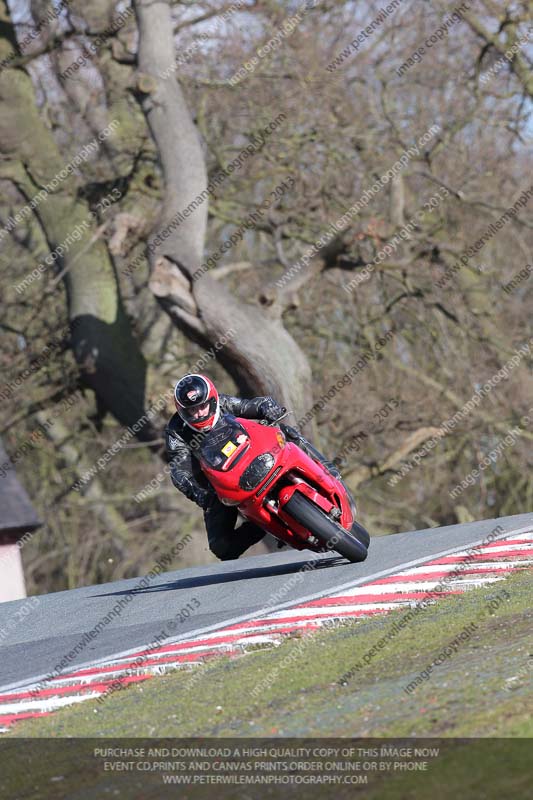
(332, 535)
(360, 533)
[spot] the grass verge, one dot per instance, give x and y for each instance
(471, 694)
(296, 690)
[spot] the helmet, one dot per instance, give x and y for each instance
(197, 401)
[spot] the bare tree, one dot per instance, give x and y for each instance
(261, 357)
(109, 359)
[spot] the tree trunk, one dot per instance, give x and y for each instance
(260, 355)
(105, 350)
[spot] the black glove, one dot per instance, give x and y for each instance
(203, 497)
(332, 468)
(192, 491)
(270, 410)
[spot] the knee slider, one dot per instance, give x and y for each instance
(222, 550)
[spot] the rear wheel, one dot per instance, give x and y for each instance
(332, 535)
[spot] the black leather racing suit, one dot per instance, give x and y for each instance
(182, 444)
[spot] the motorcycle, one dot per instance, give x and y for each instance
(250, 464)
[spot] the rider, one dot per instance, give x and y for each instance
(199, 408)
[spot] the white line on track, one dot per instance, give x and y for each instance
(404, 569)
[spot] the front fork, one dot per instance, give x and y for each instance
(316, 497)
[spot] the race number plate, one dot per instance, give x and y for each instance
(229, 448)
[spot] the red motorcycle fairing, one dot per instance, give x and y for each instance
(251, 465)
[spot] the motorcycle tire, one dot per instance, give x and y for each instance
(332, 535)
(360, 533)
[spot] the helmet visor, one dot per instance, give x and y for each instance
(200, 412)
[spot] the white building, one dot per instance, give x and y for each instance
(17, 518)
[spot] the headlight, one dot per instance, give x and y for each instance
(256, 471)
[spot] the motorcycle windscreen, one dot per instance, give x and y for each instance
(221, 446)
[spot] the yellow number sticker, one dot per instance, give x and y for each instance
(229, 448)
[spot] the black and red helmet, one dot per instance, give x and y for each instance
(197, 401)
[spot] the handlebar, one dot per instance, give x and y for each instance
(275, 422)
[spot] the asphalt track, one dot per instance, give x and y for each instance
(227, 592)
